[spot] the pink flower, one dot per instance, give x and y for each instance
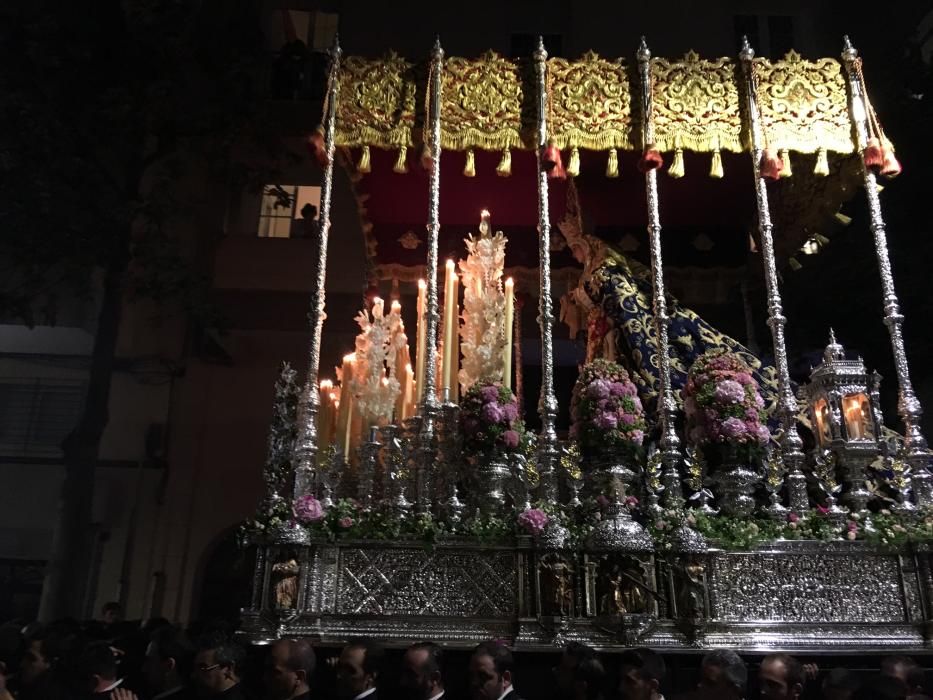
(759, 402)
(629, 389)
(792, 517)
(733, 428)
(346, 523)
(533, 520)
(617, 389)
(763, 434)
(492, 412)
(823, 510)
(729, 391)
(598, 389)
(627, 419)
(744, 378)
(637, 436)
(510, 411)
(510, 438)
(631, 502)
(606, 421)
(852, 526)
(851, 534)
(489, 394)
(308, 509)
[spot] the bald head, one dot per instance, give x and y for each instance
(289, 668)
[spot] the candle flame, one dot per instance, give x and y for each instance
(422, 284)
(484, 213)
(377, 300)
(408, 367)
(333, 397)
(450, 264)
(396, 306)
(510, 282)
(385, 381)
(326, 384)
(351, 358)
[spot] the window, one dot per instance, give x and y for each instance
(37, 414)
(283, 210)
(524, 45)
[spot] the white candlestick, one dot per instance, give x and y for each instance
(421, 347)
(509, 321)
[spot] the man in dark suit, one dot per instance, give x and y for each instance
(490, 672)
(423, 672)
(358, 670)
(217, 667)
(289, 667)
(167, 665)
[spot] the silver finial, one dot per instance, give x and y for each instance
(746, 53)
(643, 53)
(437, 53)
(848, 51)
(540, 53)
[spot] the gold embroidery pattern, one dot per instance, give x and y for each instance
(590, 103)
(696, 104)
(377, 102)
(481, 103)
(804, 104)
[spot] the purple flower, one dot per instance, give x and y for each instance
(510, 438)
(533, 520)
(631, 502)
(492, 413)
(606, 421)
(510, 411)
(744, 378)
(729, 391)
(489, 394)
(308, 509)
(617, 389)
(733, 428)
(637, 436)
(346, 523)
(598, 389)
(763, 434)
(759, 402)
(627, 419)
(792, 517)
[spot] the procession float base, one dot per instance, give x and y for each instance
(825, 597)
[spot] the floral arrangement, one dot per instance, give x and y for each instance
(533, 521)
(482, 335)
(489, 419)
(374, 385)
(605, 410)
(723, 404)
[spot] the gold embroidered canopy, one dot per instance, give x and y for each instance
(489, 103)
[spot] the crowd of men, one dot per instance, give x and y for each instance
(159, 662)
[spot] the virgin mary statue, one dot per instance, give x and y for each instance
(614, 301)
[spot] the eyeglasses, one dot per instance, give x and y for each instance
(205, 669)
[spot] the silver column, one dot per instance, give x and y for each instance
(908, 405)
(306, 448)
(791, 444)
(667, 407)
(547, 404)
(429, 405)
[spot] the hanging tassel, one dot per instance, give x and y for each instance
(890, 166)
(794, 264)
(316, 146)
(364, 165)
(771, 165)
(427, 160)
(715, 166)
(551, 162)
(677, 165)
(573, 167)
(469, 167)
(822, 163)
(820, 238)
(401, 167)
(612, 165)
(651, 159)
(504, 169)
(786, 171)
(873, 155)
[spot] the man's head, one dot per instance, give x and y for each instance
(781, 677)
(98, 667)
(905, 671)
(723, 675)
(168, 659)
(358, 667)
(589, 677)
(642, 674)
(574, 654)
(38, 658)
(216, 664)
(490, 671)
(839, 684)
(111, 613)
(289, 668)
(423, 671)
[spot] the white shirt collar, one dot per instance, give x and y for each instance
(110, 687)
(506, 692)
(365, 693)
(435, 697)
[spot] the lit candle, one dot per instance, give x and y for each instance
(409, 391)
(402, 368)
(325, 415)
(421, 347)
(449, 303)
(455, 345)
(509, 321)
(854, 426)
(344, 417)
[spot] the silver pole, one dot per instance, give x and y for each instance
(908, 406)
(667, 408)
(306, 449)
(791, 444)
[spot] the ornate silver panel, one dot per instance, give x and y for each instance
(418, 582)
(807, 588)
